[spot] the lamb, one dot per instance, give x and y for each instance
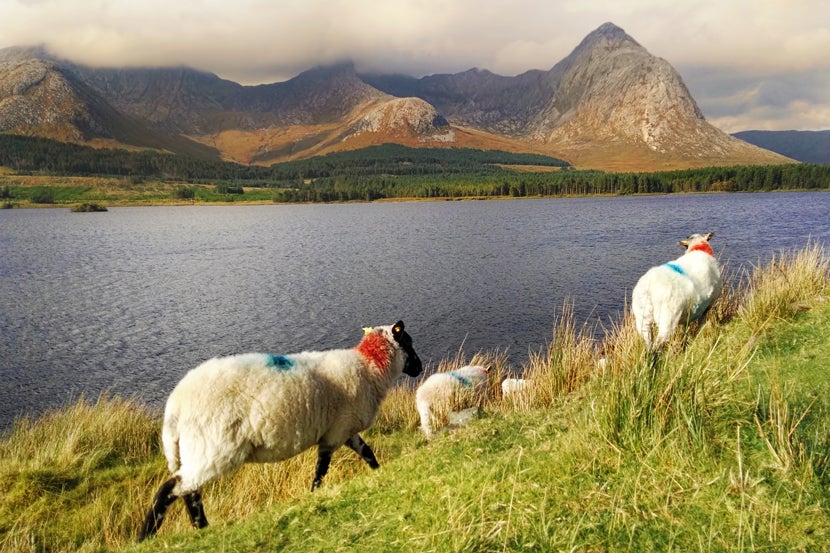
(265, 408)
(514, 387)
(682, 289)
(442, 392)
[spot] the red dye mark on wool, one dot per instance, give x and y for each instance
(375, 348)
(702, 246)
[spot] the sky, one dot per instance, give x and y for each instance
(749, 64)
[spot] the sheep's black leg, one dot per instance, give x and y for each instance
(155, 516)
(195, 509)
(362, 448)
(323, 461)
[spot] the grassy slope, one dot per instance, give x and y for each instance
(720, 445)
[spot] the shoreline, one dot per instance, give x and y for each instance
(69, 204)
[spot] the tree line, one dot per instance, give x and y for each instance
(393, 171)
(43, 156)
(564, 183)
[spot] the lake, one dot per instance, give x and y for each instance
(129, 300)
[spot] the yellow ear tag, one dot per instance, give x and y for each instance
(367, 329)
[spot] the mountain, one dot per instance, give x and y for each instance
(806, 146)
(608, 105)
(41, 97)
(319, 111)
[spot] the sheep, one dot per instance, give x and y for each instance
(263, 408)
(443, 392)
(682, 289)
(517, 392)
(513, 387)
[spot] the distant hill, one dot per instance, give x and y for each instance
(806, 146)
(608, 105)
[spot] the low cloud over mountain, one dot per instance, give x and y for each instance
(610, 105)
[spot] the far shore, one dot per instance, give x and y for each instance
(111, 193)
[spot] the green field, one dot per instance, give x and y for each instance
(721, 443)
(53, 191)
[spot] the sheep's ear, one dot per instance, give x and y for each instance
(684, 243)
(397, 329)
(709, 236)
(367, 330)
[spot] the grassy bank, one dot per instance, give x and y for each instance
(721, 444)
(47, 191)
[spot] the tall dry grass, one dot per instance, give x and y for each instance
(72, 473)
(670, 392)
(784, 286)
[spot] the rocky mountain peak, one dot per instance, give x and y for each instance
(610, 33)
(612, 91)
(38, 99)
(609, 103)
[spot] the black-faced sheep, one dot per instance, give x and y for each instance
(442, 392)
(265, 408)
(681, 290)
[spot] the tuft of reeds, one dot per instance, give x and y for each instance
(72, 473)
(569, 360)
(783, 287)
(84, 436)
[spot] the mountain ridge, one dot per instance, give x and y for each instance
(805, 146)
(608, 105)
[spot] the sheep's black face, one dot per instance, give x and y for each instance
(412, 365)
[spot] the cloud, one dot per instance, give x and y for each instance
(256, 41)
(736, 100)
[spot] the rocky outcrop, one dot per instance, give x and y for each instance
(36, 99)
(404, 118)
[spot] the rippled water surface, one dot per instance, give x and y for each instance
(130, 299)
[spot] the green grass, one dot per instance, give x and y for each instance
(720, 444)
(43, 191)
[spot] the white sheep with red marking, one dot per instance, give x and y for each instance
(442, 392)
(265, 408)
(678, 291)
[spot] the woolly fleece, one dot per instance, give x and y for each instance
(681, 290)
(262, 408)
(443, 392)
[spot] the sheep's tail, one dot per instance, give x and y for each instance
(170, 441)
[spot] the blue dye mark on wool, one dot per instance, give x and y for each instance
(279, 362)
(466, 382)
(676, 268)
